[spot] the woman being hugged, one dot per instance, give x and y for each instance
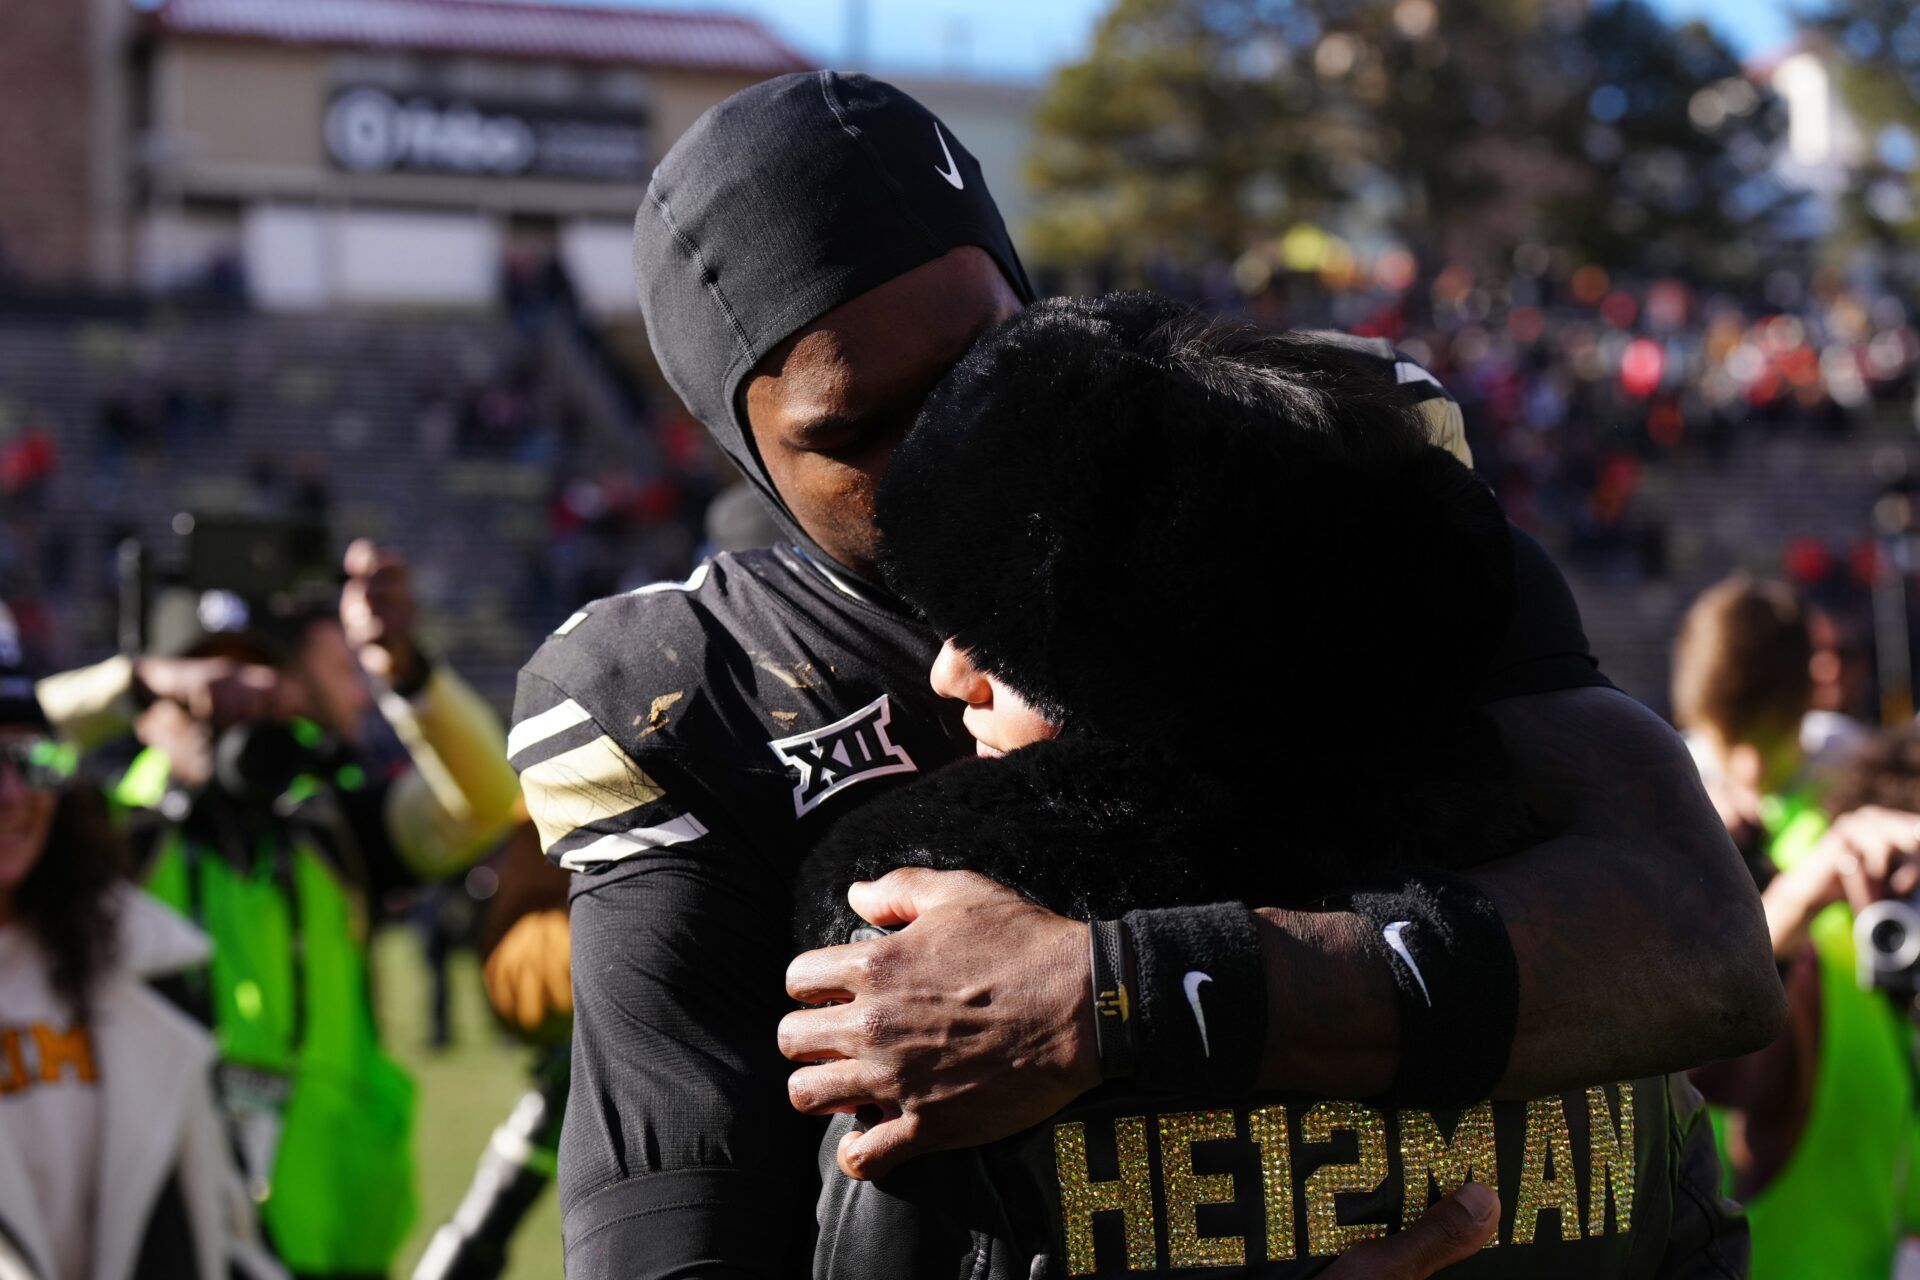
(1217, 609)
(113, 1162)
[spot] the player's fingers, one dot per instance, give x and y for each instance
(830, 974)
(896, 898)
(1449, 1232)
(830, 1087)
(902, 895)
(878, 1151)
(814, 1035)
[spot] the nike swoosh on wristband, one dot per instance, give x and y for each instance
(1392, 934)
(1192, 983)
(952, 172)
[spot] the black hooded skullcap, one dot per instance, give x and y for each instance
(782, 202)
(1159, 536)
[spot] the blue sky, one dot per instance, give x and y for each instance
(1026, 37)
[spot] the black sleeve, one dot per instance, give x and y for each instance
(681, 1156)
(1546, 647)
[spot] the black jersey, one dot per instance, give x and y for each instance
(682, 747)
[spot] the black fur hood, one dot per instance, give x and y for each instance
(1092, 829)
(1145, 556)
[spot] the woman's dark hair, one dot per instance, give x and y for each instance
(66, 901)
(1108, 486)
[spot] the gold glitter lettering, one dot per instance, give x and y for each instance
(1547, 1178)
(1427, 1158)
(1131, 1194)
(1186, 1190)
(62, 1049)
(1613, 1161)
(1268, 1129)
(1325, 1235)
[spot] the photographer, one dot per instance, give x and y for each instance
(262, 810)
(1817, 1125)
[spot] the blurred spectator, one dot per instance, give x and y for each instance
(28, 457)
(1818, 1127)
(113, 1161)
(1838, 719)
(257, 814)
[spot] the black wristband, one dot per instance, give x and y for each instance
(1200, 999)
(1459, 986)
(1112, 998)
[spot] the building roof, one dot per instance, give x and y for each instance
(643, 37)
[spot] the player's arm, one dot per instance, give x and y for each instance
(1639, 938)
(680, 1157)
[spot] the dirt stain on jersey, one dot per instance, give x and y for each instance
(795, 675)
(656, 716)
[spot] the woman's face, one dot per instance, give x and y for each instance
(26, 813)
(999, 719)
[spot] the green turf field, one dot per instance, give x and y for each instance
(463, 1093)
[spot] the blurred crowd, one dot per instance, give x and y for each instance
(1571, 393)
(533, 437)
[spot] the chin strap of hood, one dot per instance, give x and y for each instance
(786, 200)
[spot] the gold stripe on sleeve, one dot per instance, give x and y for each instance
(589, 783)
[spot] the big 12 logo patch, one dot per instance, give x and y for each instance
(828, 760)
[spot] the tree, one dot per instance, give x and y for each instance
(1874, 48)
(1197, 127)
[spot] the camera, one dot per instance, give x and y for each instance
(1886, 945)
(257, 762)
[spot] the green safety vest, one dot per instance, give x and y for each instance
(288, 992)
(1837, 1209)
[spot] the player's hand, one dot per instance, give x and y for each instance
(378, 611)
(219, 692)
(529, 976)
(1865, 856)
(1450, 1231)
(971, 1023)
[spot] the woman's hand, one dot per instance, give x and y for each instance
(1452, 1230)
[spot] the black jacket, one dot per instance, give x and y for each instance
(1271, 1185)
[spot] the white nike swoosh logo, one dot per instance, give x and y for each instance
(1192, 982)
(952, 172)
(1392, 934)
